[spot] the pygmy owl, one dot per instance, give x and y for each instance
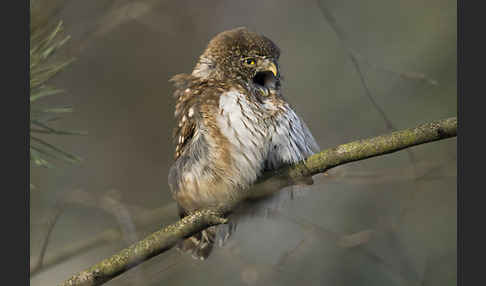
(233, 124)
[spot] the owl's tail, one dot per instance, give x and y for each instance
(201, 244)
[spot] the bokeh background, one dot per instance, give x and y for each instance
(389, 220)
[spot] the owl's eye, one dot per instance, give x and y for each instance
(250, 62)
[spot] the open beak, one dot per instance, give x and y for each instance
(269, 65)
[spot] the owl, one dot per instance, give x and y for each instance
(233, 124)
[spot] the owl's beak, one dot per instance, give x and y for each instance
(269, 65)
(267, 76)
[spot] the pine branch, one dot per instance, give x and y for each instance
(44, 43)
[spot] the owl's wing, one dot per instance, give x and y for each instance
(291, 140)
(196, 101)
(185, 112)
(187, 116)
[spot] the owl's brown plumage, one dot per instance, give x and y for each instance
(232, 125)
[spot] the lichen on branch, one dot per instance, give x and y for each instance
(167, 237)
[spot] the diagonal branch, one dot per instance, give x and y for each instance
(355, 58)
(166, 238)
(152, 245)
(58, 210)
(363, 149)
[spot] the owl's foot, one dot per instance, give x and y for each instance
(199, 245)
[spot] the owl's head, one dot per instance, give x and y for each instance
(242, 55)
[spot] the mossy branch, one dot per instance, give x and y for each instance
(152, 245)
(166, 238)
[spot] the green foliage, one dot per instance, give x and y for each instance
(44, 44)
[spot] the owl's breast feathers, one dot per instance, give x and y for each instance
(225, 138)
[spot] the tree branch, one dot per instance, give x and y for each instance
(152, 245)
(166, 238)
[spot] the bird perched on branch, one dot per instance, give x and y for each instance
(233, 124)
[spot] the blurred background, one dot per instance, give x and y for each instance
(353, 69)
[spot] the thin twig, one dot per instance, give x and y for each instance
(50, 227)
(388, 175)
(337, 238)
(342, 37)
(285, 257)
(355, 58)
(142, 218)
